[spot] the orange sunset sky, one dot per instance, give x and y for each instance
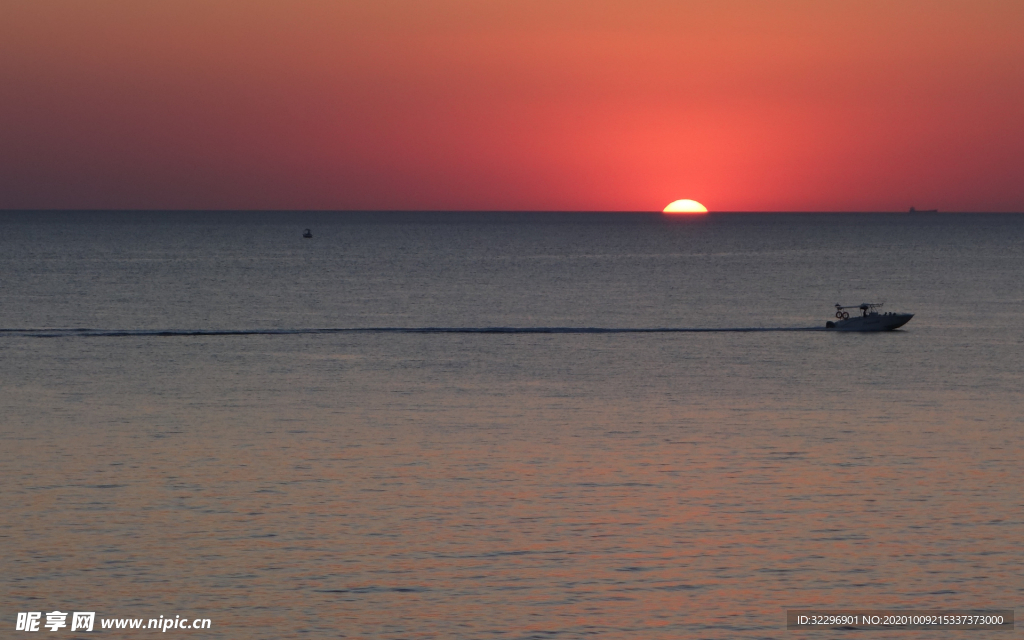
(749, 105)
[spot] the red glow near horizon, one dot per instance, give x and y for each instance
(456, 104)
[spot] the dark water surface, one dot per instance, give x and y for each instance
(495, 425)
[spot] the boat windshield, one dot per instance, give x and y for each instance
(865, 307)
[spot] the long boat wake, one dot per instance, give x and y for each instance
(171, 333)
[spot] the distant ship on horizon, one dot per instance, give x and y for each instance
(913, 210)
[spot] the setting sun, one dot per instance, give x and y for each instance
(685, 206)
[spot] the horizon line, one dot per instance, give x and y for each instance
(485, 211)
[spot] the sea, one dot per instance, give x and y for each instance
(506, 425)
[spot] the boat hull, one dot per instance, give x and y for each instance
(872, 322)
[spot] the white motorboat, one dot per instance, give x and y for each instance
(870, 319)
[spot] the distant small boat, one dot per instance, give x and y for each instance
(869, 320)
(913, 210)
(307, 234)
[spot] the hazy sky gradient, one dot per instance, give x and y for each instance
(521, 104)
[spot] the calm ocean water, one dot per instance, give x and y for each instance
(205, 451)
